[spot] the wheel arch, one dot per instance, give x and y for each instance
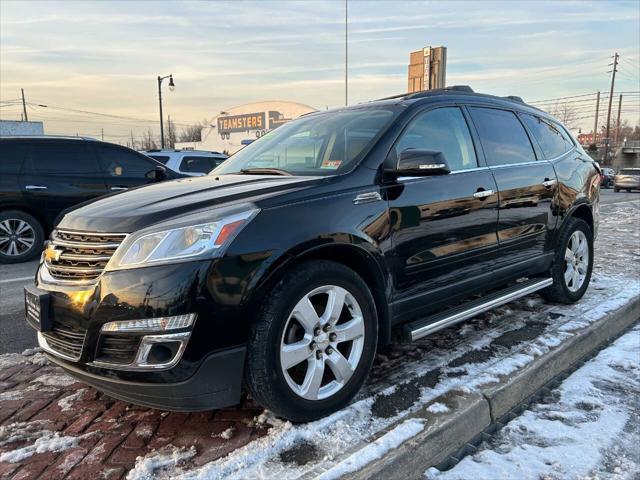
(360, 260)
(584, 212)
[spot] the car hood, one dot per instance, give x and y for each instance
(140, 207)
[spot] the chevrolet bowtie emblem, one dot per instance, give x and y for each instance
(51, 253)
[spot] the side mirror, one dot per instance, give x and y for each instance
(416, 162)
(158, 174)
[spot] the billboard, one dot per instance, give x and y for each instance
(241, 123)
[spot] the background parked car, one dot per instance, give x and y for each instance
(627, 179)
(40, 177)
(188, 162)
(607, 177)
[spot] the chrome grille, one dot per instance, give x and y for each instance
(65, 340)
(82, 255)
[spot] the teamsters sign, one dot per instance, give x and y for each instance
(241, 123)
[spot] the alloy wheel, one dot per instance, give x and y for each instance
(322, 342)
(576, 259)
(16, 237)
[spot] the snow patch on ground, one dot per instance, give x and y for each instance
(437, 407)
(148, 467)
(47, 442)
(56, 380)
(590, 431)
(8, 360)
(67, 402)
(377, 449)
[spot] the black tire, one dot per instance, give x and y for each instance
(11, 217)
(616, 190)
(264, 377)
(628, 190)
(559, 290)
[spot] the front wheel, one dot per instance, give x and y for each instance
(313, 342)
(573, 263)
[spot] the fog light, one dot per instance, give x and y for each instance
(160, 324)
(162, 353)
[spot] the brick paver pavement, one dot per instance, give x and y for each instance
(65, 429)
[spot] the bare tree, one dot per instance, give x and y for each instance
(566, 114)
(148, 141)
(192, 133)
(170, 134)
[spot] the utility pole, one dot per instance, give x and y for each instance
(133, 145)
(613, 81)
(595, 123)
(346, 57)
(102, 133)
(24, 106)
(615, 137)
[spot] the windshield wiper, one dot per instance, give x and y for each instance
(265, 171)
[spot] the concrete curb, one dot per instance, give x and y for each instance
(470, 414)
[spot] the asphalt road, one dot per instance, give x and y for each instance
(16, 336)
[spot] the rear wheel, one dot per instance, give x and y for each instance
(616, 190)
(573, 263)
(21, 237)
(313, 343)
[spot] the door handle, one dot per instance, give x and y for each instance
(548, 183)
(118, 189)
(35, 187)
(483, 194)
(367, 198)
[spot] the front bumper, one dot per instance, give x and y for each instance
(216, 384)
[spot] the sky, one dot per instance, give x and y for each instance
(105, 56)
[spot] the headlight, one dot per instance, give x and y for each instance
(187, 240)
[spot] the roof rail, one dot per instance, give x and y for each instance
(426, 93)
(515, 98)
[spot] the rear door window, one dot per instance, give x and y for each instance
(503, 138)
(12, 154)
(553, 140)
(120, 162)
(73, 158)
(197, 164)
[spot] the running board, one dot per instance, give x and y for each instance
(425, 326)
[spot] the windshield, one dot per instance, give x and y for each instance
(321, 144)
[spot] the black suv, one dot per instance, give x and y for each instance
(40, 177)
(287, 266)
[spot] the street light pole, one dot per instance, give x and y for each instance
(171, 87)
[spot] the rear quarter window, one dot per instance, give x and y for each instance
(552, 138)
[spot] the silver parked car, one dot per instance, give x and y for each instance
(188, 162)
(627, 179)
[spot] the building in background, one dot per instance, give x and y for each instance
(238, 126)
(10, 128)
(427, 69)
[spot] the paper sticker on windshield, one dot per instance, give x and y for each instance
(331, 164)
